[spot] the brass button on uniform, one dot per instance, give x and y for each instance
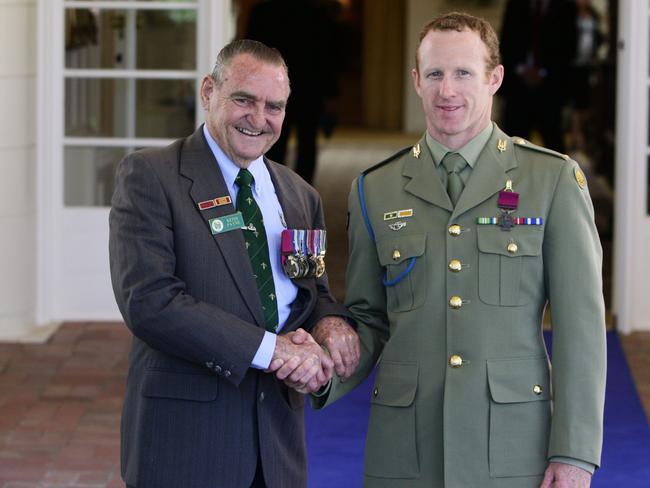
(455, 361)
(512, 248)
(454, 230)
(455, 302)
(537, 390)
(455, 265)
(396, 255)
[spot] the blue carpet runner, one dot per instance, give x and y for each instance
(336, 435)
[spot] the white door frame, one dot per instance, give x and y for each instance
(73, 281)
(631, 305)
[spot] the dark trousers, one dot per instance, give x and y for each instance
(258, 482)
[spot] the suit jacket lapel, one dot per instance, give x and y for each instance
(199, 165)
(489, 174)
(425, 182)
(295, 218)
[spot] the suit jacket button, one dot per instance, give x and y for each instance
(455, 265)
(262, 397)
(537, 389)
(455, 302)
(217, 369)
(209, 364)
(375, 392)
(454, 230)
(512, 248)
(455, 361)
(227, 373)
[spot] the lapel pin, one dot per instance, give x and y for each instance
(215, 202)
(502, 145)
(416, 151)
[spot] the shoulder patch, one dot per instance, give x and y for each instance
(521, 142)
(399, 153)
(580, 177)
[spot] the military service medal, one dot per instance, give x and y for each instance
(507, 202)
(303, 253)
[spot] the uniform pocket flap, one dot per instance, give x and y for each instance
(396, 384)
(519, 380)
(181, 386)
(395, 250)
(527, 241)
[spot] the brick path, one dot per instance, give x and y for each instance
(60, 408)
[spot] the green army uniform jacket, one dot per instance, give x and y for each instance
(464, 395)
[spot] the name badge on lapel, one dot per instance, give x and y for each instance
(226, 223)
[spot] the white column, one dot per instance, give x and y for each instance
(17, 168)
(632, 223)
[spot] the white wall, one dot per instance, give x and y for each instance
(17, 167)
(632, 232)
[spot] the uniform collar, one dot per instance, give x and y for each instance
(470, 151)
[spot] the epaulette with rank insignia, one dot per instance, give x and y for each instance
(521, 142)
(387, 160)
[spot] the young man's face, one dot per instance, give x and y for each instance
(452, 82)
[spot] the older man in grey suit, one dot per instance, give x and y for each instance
(196, 270)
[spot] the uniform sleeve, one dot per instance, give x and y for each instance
(573, 278)
(365, 298)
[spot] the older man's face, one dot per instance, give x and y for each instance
(245, 113)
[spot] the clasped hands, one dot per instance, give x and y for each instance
(306, 361)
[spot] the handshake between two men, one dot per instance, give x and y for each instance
(306, 362)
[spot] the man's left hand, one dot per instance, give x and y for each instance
(342, 343)
(560, 475)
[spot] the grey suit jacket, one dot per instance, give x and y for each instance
(196, 414)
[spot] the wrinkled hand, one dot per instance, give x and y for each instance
(341, 341)
(301, 362)
(560, 475)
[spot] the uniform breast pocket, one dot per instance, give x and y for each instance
(403, 258)
(510, 264)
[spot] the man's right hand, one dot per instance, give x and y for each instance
(302, 363)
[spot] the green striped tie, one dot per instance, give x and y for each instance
(257, 247)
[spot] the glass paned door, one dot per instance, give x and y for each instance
(130, 74)
(116, 76)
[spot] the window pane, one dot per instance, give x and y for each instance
(89, 174)
(129, 108)
(158, 39)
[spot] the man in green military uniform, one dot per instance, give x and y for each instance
(457, 245)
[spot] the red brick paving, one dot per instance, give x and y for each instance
(60, 408)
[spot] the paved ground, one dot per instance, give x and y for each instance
(60, 408)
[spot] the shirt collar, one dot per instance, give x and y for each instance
(470, 151)
(230, 170)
